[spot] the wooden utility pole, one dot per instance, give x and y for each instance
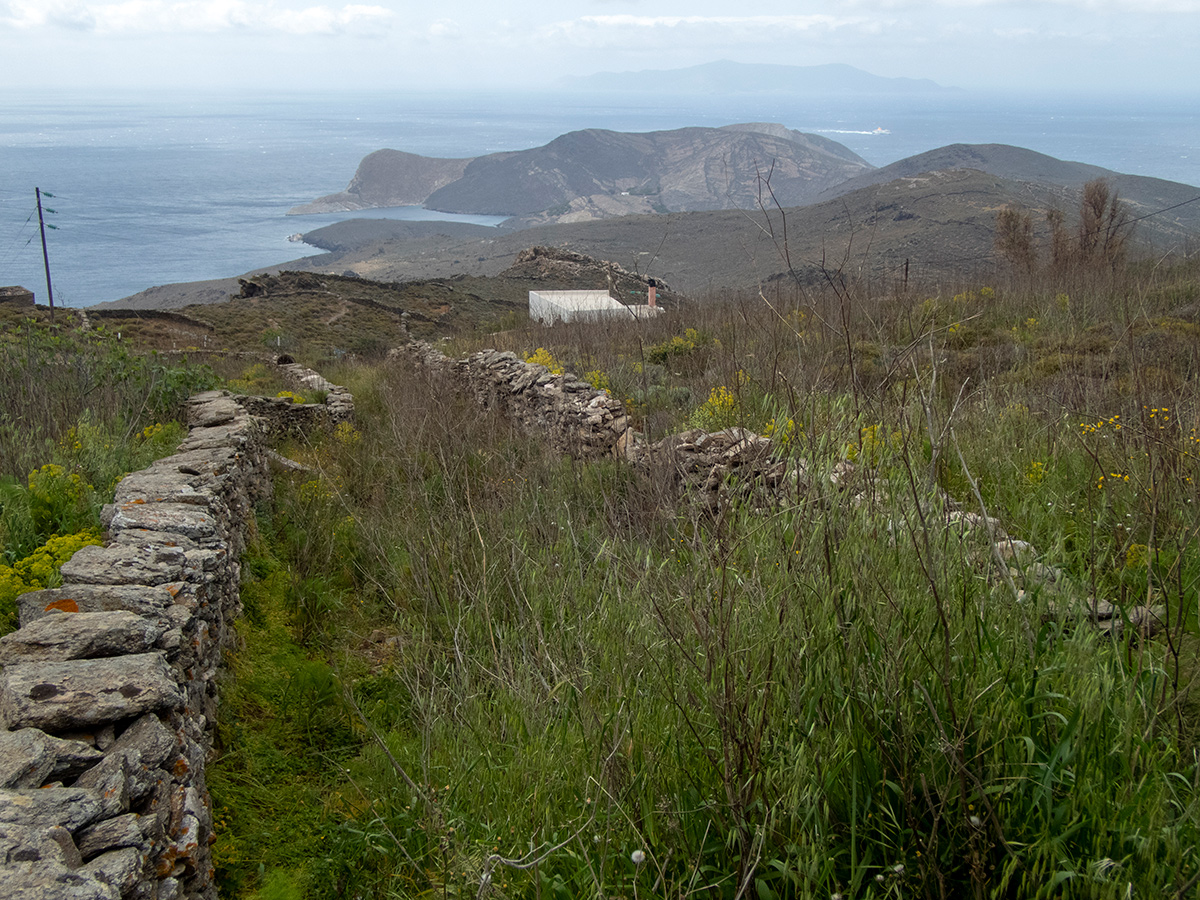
(45, 254)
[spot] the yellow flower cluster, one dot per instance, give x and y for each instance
(346, 434)
(721, 401)
(1161, 415)
(52, 479)
(40, 568)
(1113, 422)
(543, 357)
(873, 445)
(1036, 473)
(290, 395)
(676, 346)
(1118, 477)
(317, 490)
(70, 441)
(598, 380)
(150, 432)
(718, 411)
(1136, 556)
(782, 430)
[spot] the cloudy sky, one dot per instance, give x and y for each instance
(306, 44)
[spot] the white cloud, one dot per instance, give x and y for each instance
(445, 28)
(192, 17)
(1141, 7)
(663, 30)
(780, 22)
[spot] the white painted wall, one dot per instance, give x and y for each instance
(578, 306)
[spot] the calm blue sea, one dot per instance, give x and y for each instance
(153, 189)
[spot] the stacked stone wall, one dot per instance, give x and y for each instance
(108, 691)
(576, 418)
(710, 470)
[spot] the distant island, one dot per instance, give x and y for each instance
(727, 77)
(597, 174)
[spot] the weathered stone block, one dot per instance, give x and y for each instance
(39, 863)
(186, 519)
(121, 564)
(110, 779)
(145, 600)
(61, 695)
(118, 868)
(28, 757)
(212, 408)
(71, 808)
(162, 484)
(111, 834)
(63, 636)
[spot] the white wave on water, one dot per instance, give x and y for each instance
(851, 131)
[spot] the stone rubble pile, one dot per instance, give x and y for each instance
(108, 689)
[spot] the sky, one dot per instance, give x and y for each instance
(1091, 45)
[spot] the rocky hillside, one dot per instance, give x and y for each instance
(389, 178)
(1051, 181)
(596, 174)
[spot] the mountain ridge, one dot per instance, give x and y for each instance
(597, 173)
(932, 214)
(729, 77)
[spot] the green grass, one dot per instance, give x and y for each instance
(562, 681)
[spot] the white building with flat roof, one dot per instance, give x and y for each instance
(548, 307)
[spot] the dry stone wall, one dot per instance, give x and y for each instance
(574, 416)
(282, 417)
(108, 690)
(713, 469)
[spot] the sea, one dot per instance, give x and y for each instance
(154, 188)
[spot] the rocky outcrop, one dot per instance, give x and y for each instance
(595, 173)
(389, 178)
(568, 267)
(108, 690)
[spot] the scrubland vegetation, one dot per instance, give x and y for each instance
(79, 410)
(472, 667)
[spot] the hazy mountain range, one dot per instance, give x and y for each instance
(725, 77)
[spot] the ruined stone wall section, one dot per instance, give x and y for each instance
(339, 402)
(711, 470)
(576, 418)
(108, 690)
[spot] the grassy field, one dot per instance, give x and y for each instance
(471, 667)
(474, 668)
